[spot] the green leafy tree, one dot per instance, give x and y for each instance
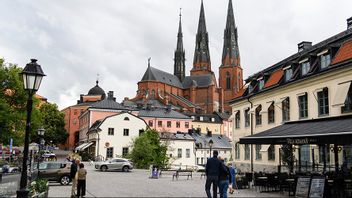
(13, 100)
(53, 122)
(148, 150)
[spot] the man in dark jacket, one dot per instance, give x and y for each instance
(73, 171)
(212, 171)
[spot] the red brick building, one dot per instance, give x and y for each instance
(73, 112)
(200, 91)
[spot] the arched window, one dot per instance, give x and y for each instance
(286, 109)
(258, 116)
(228, 80)
(271, 113)
(126, 118)
(237, 151)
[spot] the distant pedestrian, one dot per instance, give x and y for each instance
(224, 179)
(233, 172)
(81, 183)
(73, 172)
(212, 172)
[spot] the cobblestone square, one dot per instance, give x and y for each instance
(137, 184)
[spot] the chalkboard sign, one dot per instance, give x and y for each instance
(317, 187)
(302, 187)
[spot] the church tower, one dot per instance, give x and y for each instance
(201, 61)
(230, 71)
(179, 58)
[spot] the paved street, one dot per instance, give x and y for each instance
(137, 184)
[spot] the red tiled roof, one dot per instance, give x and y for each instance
(344, 53)
(274, 78)
(240, 93)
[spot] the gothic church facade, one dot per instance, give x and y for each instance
(200, 92)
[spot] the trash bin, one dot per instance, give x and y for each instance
(155, 172)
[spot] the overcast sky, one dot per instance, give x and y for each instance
(74, 40)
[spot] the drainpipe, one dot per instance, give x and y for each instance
(251, 123)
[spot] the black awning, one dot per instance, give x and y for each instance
(330, 130)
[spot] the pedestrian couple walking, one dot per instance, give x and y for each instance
(218, 175)
(78, 176)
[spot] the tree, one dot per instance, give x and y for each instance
(148, 150)
(13, 100)
(53, 122)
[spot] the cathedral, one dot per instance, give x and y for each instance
(200, 92)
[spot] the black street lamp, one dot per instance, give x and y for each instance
(210, 145)
(32, 76)
(41, 143)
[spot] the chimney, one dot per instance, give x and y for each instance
(209, 133)
(111, 96)
(304, 45)
(349, 23)
(168, 107)
(149, 106)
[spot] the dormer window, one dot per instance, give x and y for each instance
(288, 73)
(325, 60)
(250, 88)
(305, 67)
(261, 83)
(201, 118)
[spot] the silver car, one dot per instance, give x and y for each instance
(115, 164)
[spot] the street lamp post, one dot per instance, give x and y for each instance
(32, 76)
(210, 146)
(41, 142)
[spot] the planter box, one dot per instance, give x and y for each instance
(42, 194)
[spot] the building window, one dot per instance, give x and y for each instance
(247, 152)
(126, 132)
(168, 124)
(303, 106)
(286, 109)
(202, 160)
(258, 155)
(228, 80)
(258, 116)
(150, 123)
(197, 160)
(323, 102)
(246, 118)
(288, 74)
(179, 153)
(186, 125)
(271, 153)
(305, 155)
(124, 151)
(141, 131)
(160, 123)
(237, 151)
(261, 84)
(325, 60)
(237, 120)
(109, 152)
(348, 102)
(271, 113)
(178, 125)
(126, 118)
(188, 153)
(110, 131)
(305, 67)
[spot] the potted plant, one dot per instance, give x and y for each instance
(39, 188)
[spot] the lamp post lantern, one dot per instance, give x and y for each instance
(41, 142)
(32, 76)
(210, 146)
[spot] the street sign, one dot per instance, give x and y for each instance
(11, 142)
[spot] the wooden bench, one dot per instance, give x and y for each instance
(167, 172)
(179, 173)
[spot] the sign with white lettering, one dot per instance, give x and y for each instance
(317, 187)
(302, 187)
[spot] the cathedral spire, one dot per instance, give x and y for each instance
(230, 53)
(179, 57)
(201, 61)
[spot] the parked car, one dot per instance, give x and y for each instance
(55, 171)
(115, 164)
